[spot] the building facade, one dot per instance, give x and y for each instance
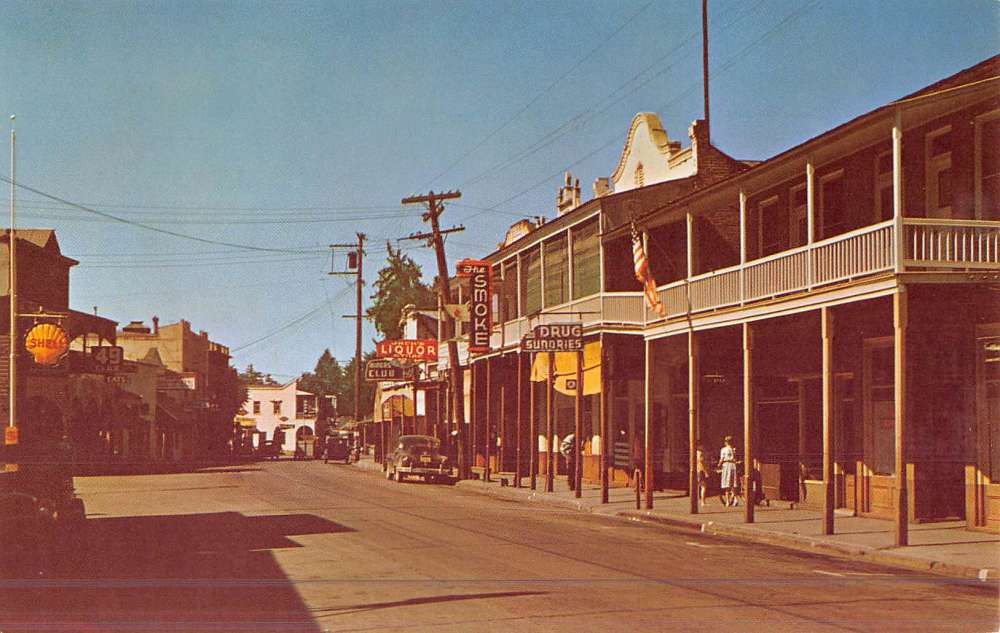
(833, 308)
(282, 413)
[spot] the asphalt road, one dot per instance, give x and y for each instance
(304, 546)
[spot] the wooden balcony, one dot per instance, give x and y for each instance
(926, 244)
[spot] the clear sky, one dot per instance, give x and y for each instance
(292, 125)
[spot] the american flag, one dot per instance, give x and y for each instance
(644, 276)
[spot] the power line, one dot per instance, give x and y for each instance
(296, 321)
(537, 97)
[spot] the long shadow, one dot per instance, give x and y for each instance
(199, 572)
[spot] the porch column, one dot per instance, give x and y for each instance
(578, 428)
(826, 326)
(415, 428)
(897, 191)
(550, 425)
(488, 432)
(899, 322)
(810, 216)
(693, 384)
(802, 439)
(748, 416)
(532, 429)
(519, 420)
(743, 244)
(602, 405)
(648, 430)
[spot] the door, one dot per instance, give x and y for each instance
(879, 455)
(987, 487)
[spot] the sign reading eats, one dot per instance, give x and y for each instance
(413, 349)
(554, 337)
(480, 274)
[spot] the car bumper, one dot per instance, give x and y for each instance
(424, 470)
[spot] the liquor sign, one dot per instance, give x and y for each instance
(554, 337)
(384, 370)
(411, 349)
(480, 274)
(47, 343)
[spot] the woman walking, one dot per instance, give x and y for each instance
(727, 464)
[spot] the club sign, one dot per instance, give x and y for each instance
(554, 337)
(384, 370)
(410, 349)
(480, 274)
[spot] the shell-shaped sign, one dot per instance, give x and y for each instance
(47, 343)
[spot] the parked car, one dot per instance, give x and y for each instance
(339, 445)
(418, 456)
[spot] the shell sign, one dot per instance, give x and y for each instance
(47, 343)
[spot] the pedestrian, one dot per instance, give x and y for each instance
(568, 449)
(727, 465)
(756, 491)
(702, 473)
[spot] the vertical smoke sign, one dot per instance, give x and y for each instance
(480, 274)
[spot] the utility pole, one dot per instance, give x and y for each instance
(434, 209)
(12, 294)
(359, 254)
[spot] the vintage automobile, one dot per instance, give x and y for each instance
(417, 456)
(339, 445)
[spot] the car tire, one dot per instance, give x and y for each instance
(399, 477)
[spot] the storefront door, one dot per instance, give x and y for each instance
(879, 461)
(987, 476)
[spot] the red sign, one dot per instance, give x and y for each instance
(480, 274)
(412, 349)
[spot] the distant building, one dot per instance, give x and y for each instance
(285, 409)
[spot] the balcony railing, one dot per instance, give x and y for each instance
(927, 243)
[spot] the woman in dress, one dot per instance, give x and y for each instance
(727, 464)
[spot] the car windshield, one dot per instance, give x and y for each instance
(418, 443)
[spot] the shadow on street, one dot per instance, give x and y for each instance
(199, 572)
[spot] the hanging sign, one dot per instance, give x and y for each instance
(384, 370)
(480, 274)
(412, 349)
(47, 343)
(554, 337)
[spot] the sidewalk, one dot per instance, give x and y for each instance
(945, 548)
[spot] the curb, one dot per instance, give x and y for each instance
(789, 541)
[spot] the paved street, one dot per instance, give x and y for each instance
(303, 546)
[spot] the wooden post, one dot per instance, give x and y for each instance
(488, 432)
(519, 403)
(826, 327)
(550, 425)
(748, 416)
(899, 311)
(801, 475)
(415, 429)
(648, 430)
(578, 428)
(605, 444)
(693, 395)
(532, 428)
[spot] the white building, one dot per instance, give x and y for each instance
(284, 407)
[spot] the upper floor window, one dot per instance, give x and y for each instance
(798, 223)
(640, 175)
(305, 406)
(769, 227)
(531, 281)
(276, 407)
(556, 271)
(508, 291)
(987, 145)
(937, 161)
(256, 406)
(832, 203)
(883, 186)
(586, 259)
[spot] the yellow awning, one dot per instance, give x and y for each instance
(565, 369)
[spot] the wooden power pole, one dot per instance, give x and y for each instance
(359, 282)
(434, 209)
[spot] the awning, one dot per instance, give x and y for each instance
(565, 369)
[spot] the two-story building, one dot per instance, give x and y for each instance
(834, 308)
(282, 412)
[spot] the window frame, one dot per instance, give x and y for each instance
(822, 181)
(933, 166)
(797, 214)
(980, 120)
(769, 203)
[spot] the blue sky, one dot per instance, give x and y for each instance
(291, 126)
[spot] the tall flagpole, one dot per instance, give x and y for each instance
(12, 341)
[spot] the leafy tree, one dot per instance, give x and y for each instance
(345, 400)
(398, 285)
(325, 380)
(253, 377)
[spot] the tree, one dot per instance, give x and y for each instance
(327, 379)
(397, 286)
(345, 401)
(253, 377)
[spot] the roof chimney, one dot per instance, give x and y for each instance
(156, 324)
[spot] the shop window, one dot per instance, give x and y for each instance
(256, 406)
(531, 281)
(883, 186)
(586, 247)
(556, 271)
(937, 159)
(832, 203)
(798, 224)
(987, 144)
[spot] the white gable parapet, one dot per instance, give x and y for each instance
(650, 157)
